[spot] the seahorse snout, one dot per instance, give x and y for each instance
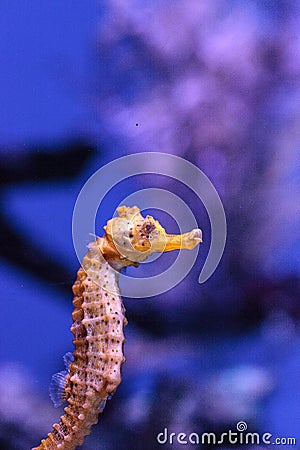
(186, 241)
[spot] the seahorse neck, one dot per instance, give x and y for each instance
(103, 271)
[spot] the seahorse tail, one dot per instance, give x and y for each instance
(74, 425)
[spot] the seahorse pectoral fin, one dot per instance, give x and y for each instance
(104, 401)
(169, 242)
(102, 405)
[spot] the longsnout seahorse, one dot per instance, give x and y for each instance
(94, 369)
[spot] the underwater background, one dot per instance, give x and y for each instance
(217, 83)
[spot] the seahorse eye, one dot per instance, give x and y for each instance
(147, 228)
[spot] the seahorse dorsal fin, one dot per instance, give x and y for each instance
(57, 388)
(58, 382)
(68, 359)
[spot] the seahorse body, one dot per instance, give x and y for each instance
(98, 320)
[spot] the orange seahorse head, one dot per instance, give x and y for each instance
(134, 237)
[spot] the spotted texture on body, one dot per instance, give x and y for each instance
(98, 319)
(95, 373)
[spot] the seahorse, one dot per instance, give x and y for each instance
(94, 369)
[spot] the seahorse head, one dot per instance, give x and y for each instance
(136, 237)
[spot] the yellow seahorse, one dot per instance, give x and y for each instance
(94, 370)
